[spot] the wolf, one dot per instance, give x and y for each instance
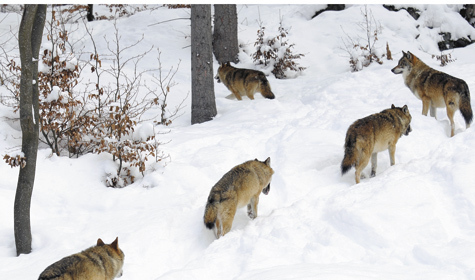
(436, 89)
(103, 261)
(243, 81)
(239, 187)
(372, 134)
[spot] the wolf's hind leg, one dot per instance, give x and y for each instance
(227, 218)
(374, 164)
(433, 110)
(360, 165)
(250, 94)
(218, 228)
(450, 114)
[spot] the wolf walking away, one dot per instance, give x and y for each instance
(436, 89)
(372, 134)
(243, 82)
(239, 187)
(103, 261)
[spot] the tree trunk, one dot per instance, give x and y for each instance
(225, 37)
(90, 12)
(203, 105)
(30, 36)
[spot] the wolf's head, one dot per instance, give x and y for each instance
(115, 254)
(405, 64)
(405, 118)
(222, 70)
(267, 172)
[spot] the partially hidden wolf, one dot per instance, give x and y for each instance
(103, 261)
(372, 134)
(436, 89)
(239, 187)
(243, 82)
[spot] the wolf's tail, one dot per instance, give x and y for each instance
(464, 106)
(265, 86)
(349, 160)
(211, 212)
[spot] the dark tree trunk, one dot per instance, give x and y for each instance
(225, 37)
(30, 36)
(203, 105)
(90, 13)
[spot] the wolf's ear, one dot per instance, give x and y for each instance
(409, 55)
(100, 242)
(405, 109)
(267, 161)
(115, 244)
(392, 106)
(404, 54)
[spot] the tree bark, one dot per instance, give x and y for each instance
(203, 105)
(30, 36)
(90, 12)
(225, 37)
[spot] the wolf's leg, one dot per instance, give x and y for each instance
(250, 90)
(357, 176)
(433, 110)
(360, 165)
(228, 217)
(252, 207)
(374, 164)
(425, 105)
(219, 227)
(392, 151)
(361, 162)
(236, 93)
(450, 113)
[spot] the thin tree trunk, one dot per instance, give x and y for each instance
(30, 36)
(90, 12)
(203, 105)
(225, 37)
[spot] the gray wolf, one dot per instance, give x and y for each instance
(372, 134)
(436, 89)
(243, 82)
(103, 261)
(239, 187)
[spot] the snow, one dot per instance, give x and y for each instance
(414, 220)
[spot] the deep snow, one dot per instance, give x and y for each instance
(414, 220)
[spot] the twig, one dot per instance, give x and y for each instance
(167, 21)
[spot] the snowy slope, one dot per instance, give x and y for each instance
(414, 220)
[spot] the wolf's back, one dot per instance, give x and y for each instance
(97, 262)
(60, 269)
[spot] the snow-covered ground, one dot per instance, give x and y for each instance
(414, 220)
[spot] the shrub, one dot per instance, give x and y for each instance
(444, 58)
(276, 53)
(363, 54)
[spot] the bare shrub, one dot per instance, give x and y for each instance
(363, 54)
